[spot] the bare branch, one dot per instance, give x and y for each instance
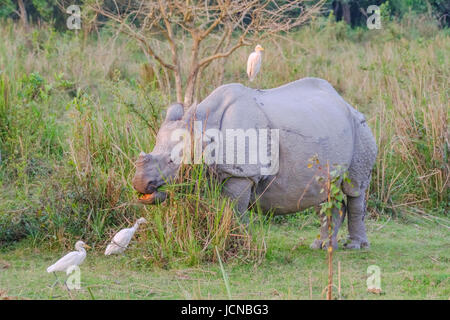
(213, 29)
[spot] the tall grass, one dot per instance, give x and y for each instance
(195, 221)
(75, 111)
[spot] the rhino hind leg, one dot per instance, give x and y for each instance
(360, 175)
(356, 212)
(323, 241)
(356, 226)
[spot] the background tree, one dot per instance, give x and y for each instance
(49, 11)
(226, 25)
(354, 11)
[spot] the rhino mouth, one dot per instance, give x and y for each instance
(147, 198)
(155, 197)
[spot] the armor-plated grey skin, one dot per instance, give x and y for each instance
(312, 118)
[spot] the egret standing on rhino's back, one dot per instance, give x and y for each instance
(254, 62)
(122, 238)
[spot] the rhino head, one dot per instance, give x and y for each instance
(157, 168)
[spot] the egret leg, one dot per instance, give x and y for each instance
(258, 82)
(68, 290)
(56, 281)
(65, 284)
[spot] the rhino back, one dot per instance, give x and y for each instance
(309, 105)
(312, 119)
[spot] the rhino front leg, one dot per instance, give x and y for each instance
(356, 226)
(239, 190)
(323, 241)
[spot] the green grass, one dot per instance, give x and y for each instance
(413, 256)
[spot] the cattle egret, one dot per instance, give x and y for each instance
(122, 238)
(254, 62)
(73, 258)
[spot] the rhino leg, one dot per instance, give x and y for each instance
(239, 190)
(356, 226)
(356, 213)
(323, 241)
(360, 169)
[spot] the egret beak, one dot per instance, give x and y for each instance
(262, 49)
(87, 247)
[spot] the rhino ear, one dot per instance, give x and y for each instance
(175, 112)
(143, 157)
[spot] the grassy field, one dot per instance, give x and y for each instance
(76, 110)
(413, 257)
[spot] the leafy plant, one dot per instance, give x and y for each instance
(331, 177)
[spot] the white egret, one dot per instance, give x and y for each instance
(122, 238)
(74, 258)
(254, 62)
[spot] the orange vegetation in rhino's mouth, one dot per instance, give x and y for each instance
(147, 198)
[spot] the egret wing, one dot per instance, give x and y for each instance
(123, 237)
(70, 259)
(253, 65)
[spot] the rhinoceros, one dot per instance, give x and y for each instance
(310, 121)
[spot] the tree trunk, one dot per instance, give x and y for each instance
(346, 14)
(194, 68)
(178, 85)
(197, 86)
(190, 88)
(23, 13)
